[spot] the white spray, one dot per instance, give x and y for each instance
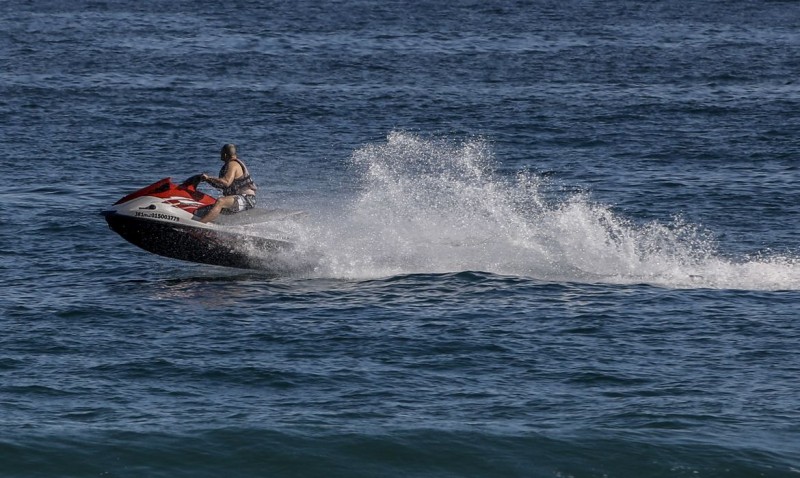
(433, 206)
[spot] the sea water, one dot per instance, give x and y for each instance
(542, 239)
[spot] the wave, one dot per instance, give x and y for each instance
(437, 205)
(236, 451)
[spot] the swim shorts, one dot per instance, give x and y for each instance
(243, 202)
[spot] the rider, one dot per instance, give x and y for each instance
(238, 188)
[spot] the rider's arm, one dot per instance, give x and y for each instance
(226, 180)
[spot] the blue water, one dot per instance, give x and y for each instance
(544, 239)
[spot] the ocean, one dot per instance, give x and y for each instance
(543, 239)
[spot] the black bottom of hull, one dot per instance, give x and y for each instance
(195, 244)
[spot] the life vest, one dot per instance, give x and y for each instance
(243, 185)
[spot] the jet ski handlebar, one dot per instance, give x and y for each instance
(193, 181)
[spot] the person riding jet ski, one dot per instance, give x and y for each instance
(238, 188)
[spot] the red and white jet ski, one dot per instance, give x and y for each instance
(162, 218)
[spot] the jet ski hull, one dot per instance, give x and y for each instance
(192, 244)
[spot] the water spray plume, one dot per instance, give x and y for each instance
(437, 205)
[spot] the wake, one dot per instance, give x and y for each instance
(438, 206)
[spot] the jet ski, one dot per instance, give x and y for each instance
(163, 218)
